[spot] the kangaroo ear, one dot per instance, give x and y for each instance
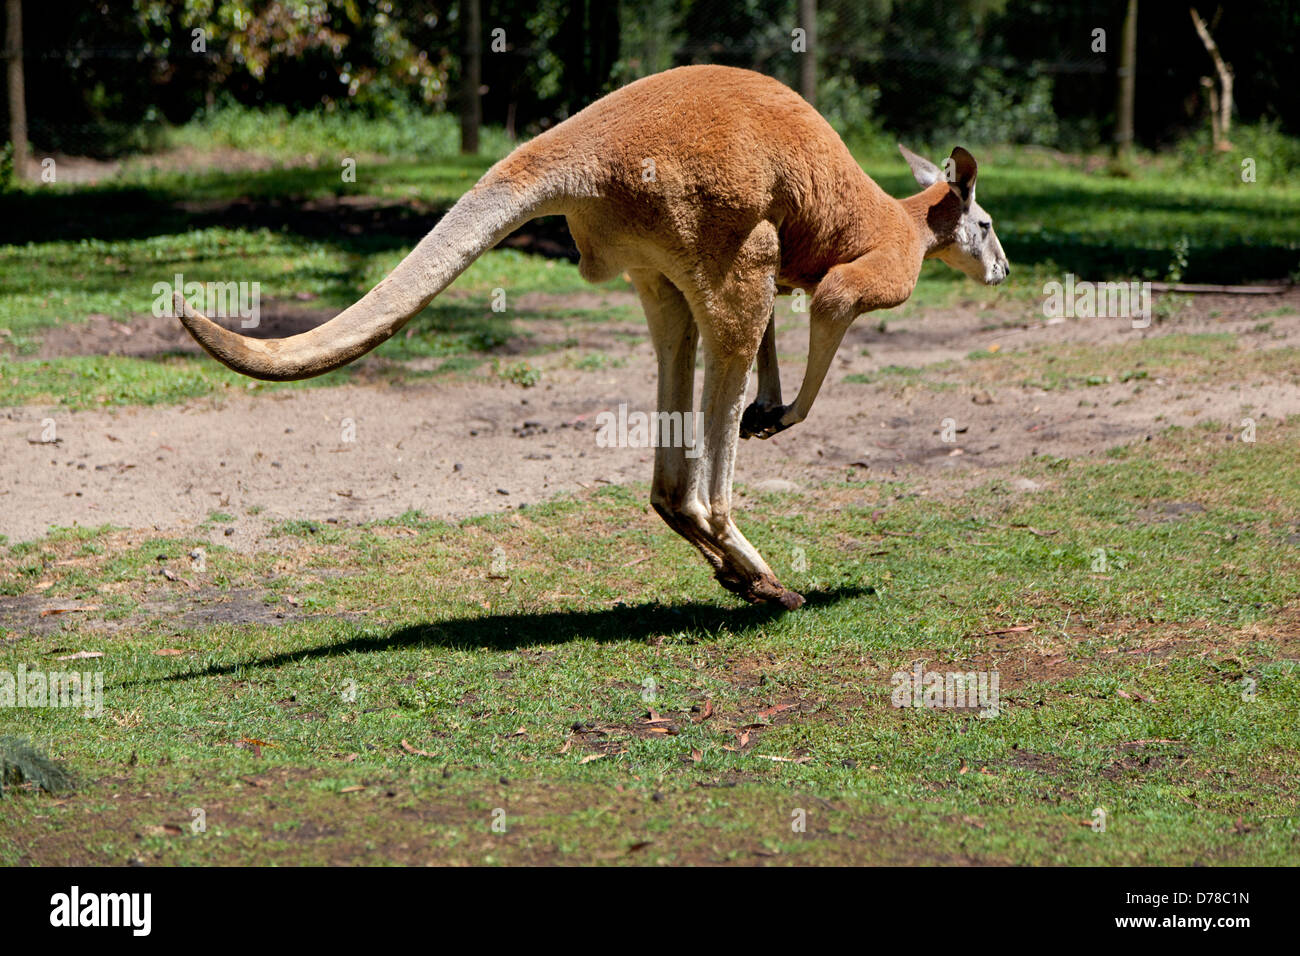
(926, 172)
(961, 170)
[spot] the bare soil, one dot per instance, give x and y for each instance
(454, 448)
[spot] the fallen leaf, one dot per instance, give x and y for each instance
(1018, 629)
(68, 610)
(784, 759)
(411, 750)
(166, 829)
(168, 652)
(1154, 740)
(1136, 696)
(353, 789)
(80, 655)
(740, 742)
(590, 757)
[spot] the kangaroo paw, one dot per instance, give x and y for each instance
(762, 420)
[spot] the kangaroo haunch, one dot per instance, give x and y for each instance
(715, 189)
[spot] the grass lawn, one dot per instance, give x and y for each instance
(565, 682)
(519, 688)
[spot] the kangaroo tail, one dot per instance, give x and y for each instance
(480, 219)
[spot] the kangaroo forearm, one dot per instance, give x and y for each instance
(769, 371)
(879, 280)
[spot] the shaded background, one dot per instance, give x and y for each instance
(103, 77)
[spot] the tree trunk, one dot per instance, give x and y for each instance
(1220, 112)
(17, 96)
(471, 76)
(1127, 76)
(808, 65)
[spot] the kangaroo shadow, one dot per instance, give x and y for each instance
(506, 632)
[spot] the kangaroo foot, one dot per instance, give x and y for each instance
(763, 590)
(762, 420)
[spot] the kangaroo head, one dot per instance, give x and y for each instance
(963, 231)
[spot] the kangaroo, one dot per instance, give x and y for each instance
(714, 189)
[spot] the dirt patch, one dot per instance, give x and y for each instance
(1048, 764)
(148, 336)
(1139, 760)
(1167, 511)
(455, 449)
(288, 815)
(28, 615)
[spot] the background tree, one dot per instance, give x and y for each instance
(17, 98)
(1220, 99)
(1126, 81)
(471, 108)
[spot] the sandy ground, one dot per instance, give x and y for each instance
(453, 449)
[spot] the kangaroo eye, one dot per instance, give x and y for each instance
(985, 227)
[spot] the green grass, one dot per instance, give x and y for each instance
(1160, 687)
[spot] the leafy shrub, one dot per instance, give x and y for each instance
(400, 132)
(995, 113)
(1275, 154)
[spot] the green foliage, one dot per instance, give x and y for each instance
(521, 374)
(399, 131)
(6, 166)
(1275, 155)
(997, 111)
(850, 109)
